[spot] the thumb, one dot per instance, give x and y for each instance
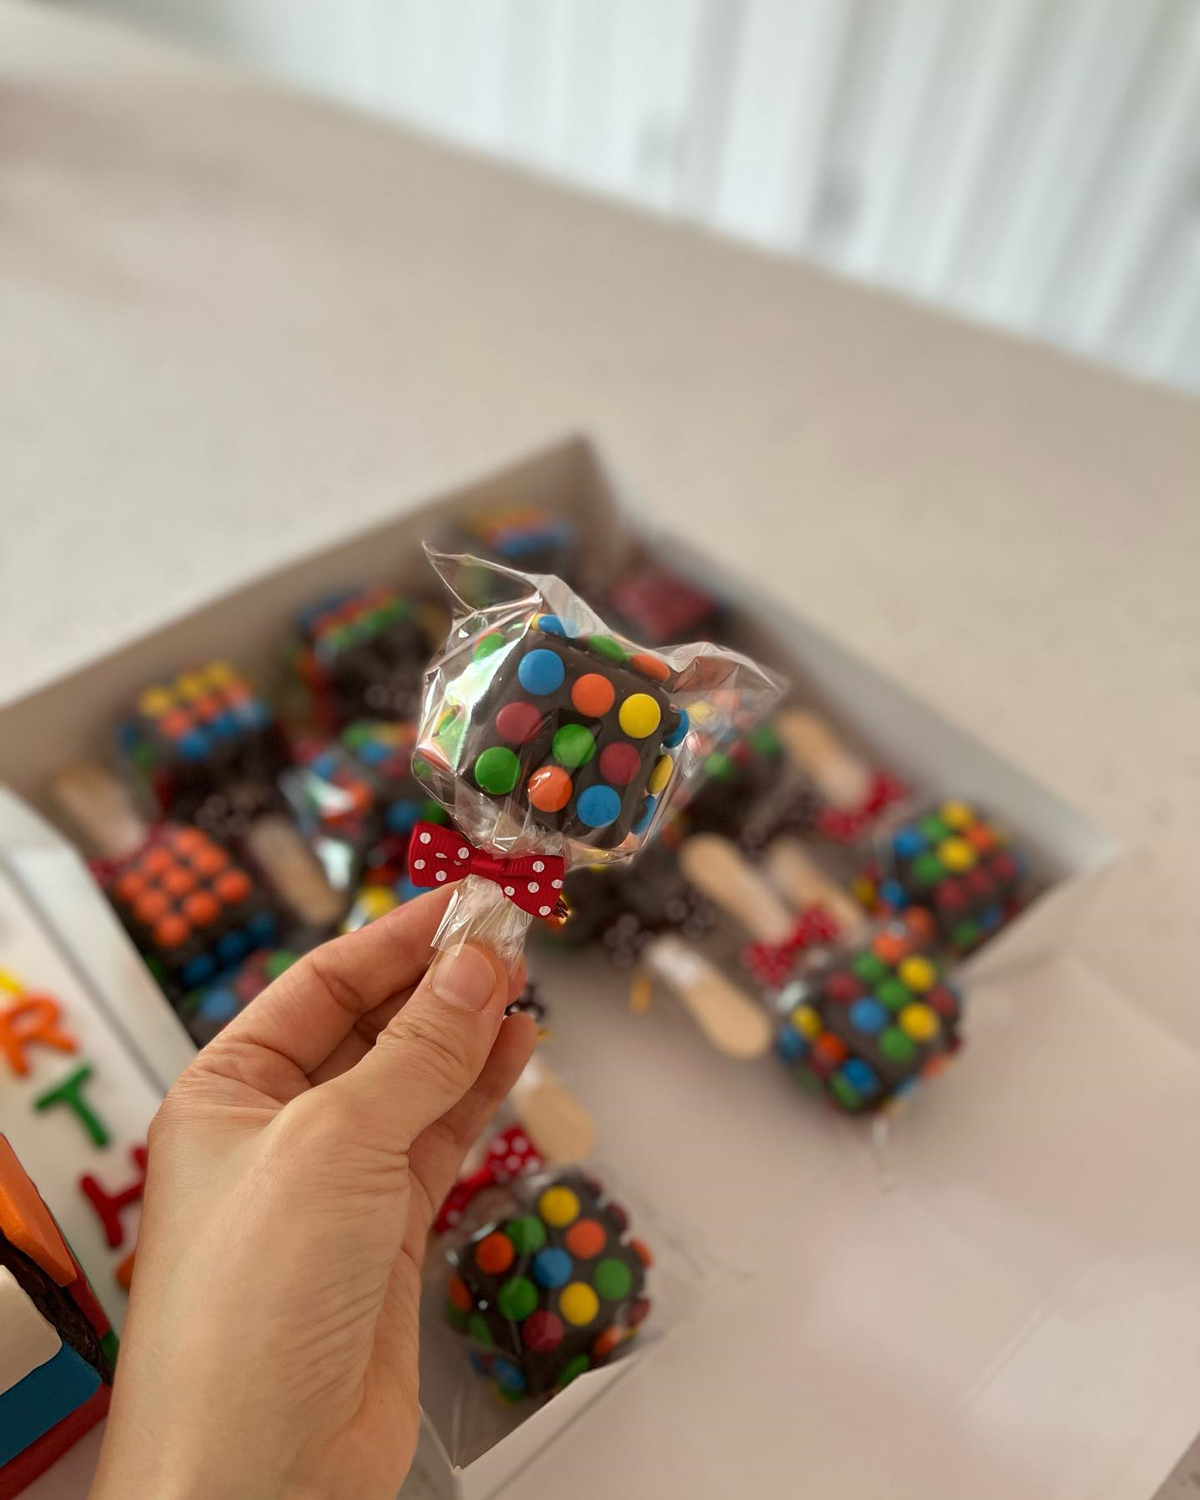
(434, 1048)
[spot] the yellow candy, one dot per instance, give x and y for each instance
(559, 1206)
(155, 701)
(806, 1020)
(917, 973)
(578, 1303)
(639, 716)
(218, 673)
(956, 814)
(956, 855)
(919, 1022)
(191, 685)
(661, 774)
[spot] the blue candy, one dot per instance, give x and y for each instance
(198, 970)
(598, 806)
(868, 1015)
(645, 815)
(791, 1043)
(908, 841)
(677, 734)
(541, 672)
(860, 1075)
(552, 1267)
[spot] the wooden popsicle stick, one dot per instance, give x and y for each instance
(804, 884)
(728, 1017)
(101, 809)
(294, 870)
(717, 867)
(841, 777)
(560, 1127)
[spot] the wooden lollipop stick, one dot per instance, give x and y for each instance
(294, 870)
(805, 885)
(840, 776)
(717, 867)
(555, 1120)
(728, 1017)
(101, 809)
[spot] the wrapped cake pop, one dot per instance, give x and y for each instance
(552, 740)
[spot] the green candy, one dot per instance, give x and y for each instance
(517, 1298)
(455, 1318)
(486, 645)
(897, 1046)
(965, 935)
(573, 745)
(612, 1279)
(869, 967)
(527, 1233)
(479, 1331)
(893, 994)
(927, 868)
(844, 1093)
(604, 645)
(933, 830)
(497, 770)
(572, 1370)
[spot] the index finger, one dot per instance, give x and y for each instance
(308, 1010)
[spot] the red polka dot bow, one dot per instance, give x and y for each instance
(771, 963)
(845, 825)
(533, 882)
(510, 1154)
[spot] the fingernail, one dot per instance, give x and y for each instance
(463, 977)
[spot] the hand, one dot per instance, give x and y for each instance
(295, 1169)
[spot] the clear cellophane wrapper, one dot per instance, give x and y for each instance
(545, 733)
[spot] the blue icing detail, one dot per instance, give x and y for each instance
(198, 970)
(220, 1004)
(194, 745)
(552, 1267)
(232, 947)
(677, 734)
(893, 894)
(598, 806)
(508, 1377)
(260, 929)
(908, 841)
(790, 1043)
(541, 672)
(860, 1075)
(646, 815)
(868, 1015)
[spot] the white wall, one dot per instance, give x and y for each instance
(1035, 163)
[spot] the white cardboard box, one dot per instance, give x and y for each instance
(1001, 1301)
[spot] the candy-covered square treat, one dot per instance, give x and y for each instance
(575, 733)
(362, 653)
(552, 1291)
(953, 862)
(192, 911)
(201, 731)
(867, 1025)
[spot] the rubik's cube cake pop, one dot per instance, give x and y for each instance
(867, 1026)
(57, 1349)
(525, 537)
(199, 733)
(207, 1011)
(952, 862)
(577, 731)
(549, 1293)
(653, 604)
(191, 910)
(362, 653)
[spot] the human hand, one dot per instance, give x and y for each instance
(295, 1169)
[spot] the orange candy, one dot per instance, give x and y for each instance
(156, 860)
(130, 886)
(586, 1238)
(186, 840)
(209, 860)
(642, 1251)
(150, 906)
(171, 932)
(606, 1343)
(494, 1254)
(175, 724)
(201, 908)
(178, 881)
(831, 1048)
(593, 695)
(890, 947)
(459, 1294)
(233, 886)
(549, 789)
(650, 666)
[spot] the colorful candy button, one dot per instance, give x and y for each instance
(844, 1092)
(679, 733)
(494, 1254)
(842, 986)
(868, 967)
(639, 716)
(549, 789)
(920, 1022)
(586, 1239)
(201, 908)
(558, 1206)
(486, 645)
(604, 1343)
(645, 815)
(478, 1329)
(508, 1377)
(897, 1047)
(650, 666)
(572, 1370)
(592, 695)
(611, 650)
(907, 843)
(598, 806)
(619, 763)
(893, 994)
(643, 1252)
(868, 1016)
(578, 1304)
(612, 1278)
(927, 869)
(542, 1332)
(541, 672)
(573, 745)
(517, 1298)
(518, 722)
(917, 973)
(498, 769)
(956, 815)
(527, 1234)
(806, 1021)
(661, 774)
(829, 1048)
(552, 625)
(552, 1267)
(861, 1077)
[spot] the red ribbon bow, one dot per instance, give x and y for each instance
(846, 825)
(437, 855)
(511, 1154)
(771, 963)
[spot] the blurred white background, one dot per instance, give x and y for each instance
(1031, 163)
